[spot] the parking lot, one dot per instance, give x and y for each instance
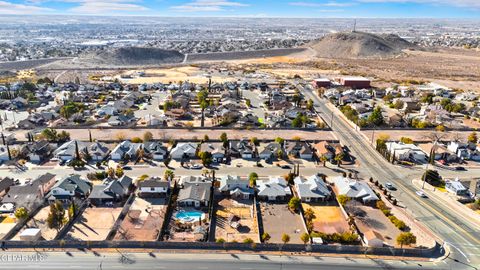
(277, 219)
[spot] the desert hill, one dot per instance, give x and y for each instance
(360, 45)
(132, 56)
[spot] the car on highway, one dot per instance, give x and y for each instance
(390, 186)
(421, 194)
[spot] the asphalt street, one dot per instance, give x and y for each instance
(457, 230)
(89, 260)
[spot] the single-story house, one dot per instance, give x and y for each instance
(156, 150)
(195, 194)
(241, 148)
(299, 149)
(312, 189)
(456, 187)
(110, 191)
(153, 187)
(235, 187)
(273, 189)
(216, 149)
(126, 150)
(271, 151)
(406, 152)
(354, 189)
(184, 150)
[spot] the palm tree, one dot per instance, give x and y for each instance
(338, 159)
(168, 175)
(323, 159)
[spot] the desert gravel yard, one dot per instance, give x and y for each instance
(328, 218)
(94, 224)
(277, 219)
(40, 221)
(143, 221)
(248, 227)
(369, 218)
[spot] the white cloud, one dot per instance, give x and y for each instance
(327, 4)
(17, 9)
(105, 6)
(207, 5)
(331, 10)
(458, 3)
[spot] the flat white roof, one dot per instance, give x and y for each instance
(30, 232)
(355, 78)
(322, 80)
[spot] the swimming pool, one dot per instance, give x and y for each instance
(189, 216)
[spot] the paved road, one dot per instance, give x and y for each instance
(458, 231)
(80, 260)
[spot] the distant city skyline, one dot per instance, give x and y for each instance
(251, 8)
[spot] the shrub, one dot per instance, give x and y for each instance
(220, 240)
(248, 241)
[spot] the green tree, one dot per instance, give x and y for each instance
(294, 204)
(56, 216)
(50, 134)
(406, 238)
(119, 172)
(285, 238)
(406, 140)
(305, 237)
(279, 140)
(252, 178)
(206, 138)
(248, 102)
(206, 158)
(376, 117)
(21, 213)
(72, 209)
(265, 237)
(338, 158)
(309, 105)
(147, 136)
(343, 199)
(248, 241)
(254, 141)
(472, 138)
(224, 139)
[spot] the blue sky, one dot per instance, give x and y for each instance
(251, 8)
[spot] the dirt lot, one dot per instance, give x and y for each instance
(455, 68)
(40, 221)
(143, 221)
(94, 224)
(369, 218)
(277, 219)
(248, 221)
(328, 218)
(165, 134)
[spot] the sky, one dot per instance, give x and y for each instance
(250, 8)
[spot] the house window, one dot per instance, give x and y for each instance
(152, 189)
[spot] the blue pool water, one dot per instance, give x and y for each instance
(189, 216)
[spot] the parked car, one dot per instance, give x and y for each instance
(196, 166)
(421, 194)
(127, 168)
(390, 186)
(460, 168)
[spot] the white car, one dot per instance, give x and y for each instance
(421, 194)
(390, 186)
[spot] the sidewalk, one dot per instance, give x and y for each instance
(434, 193)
